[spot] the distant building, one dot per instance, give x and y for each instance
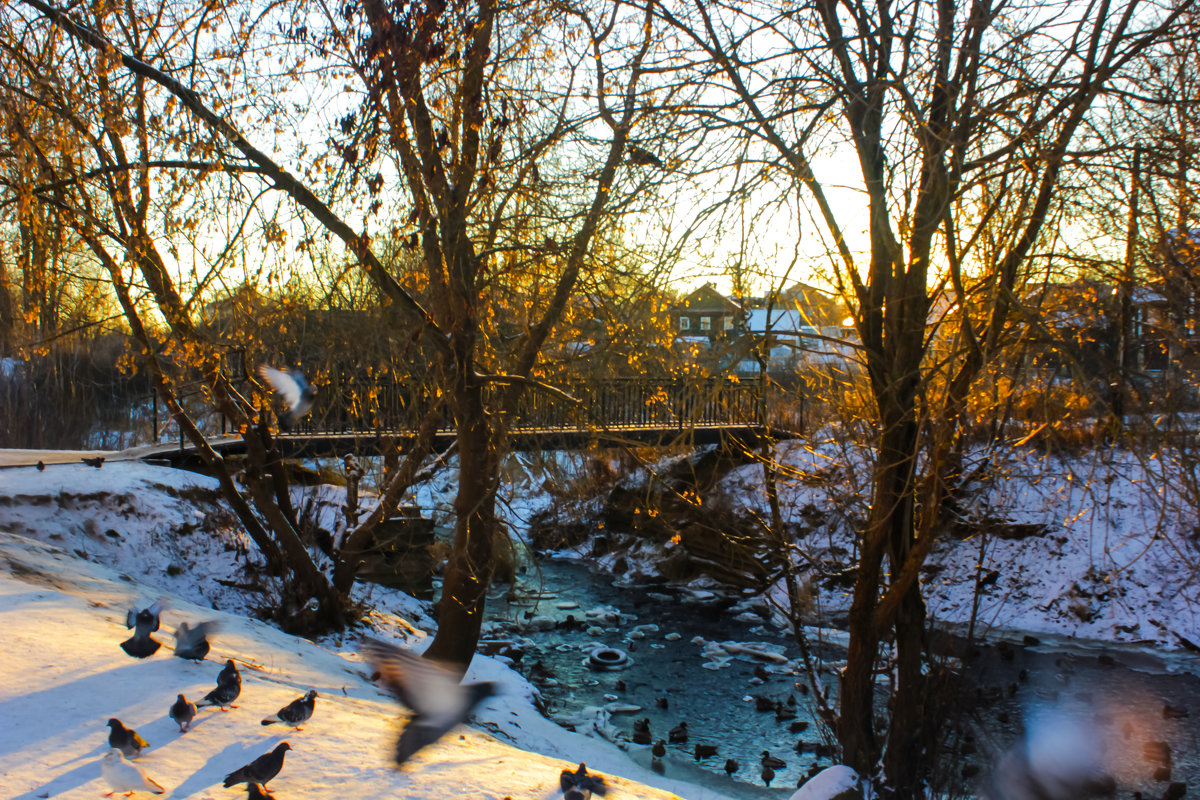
(707, 314)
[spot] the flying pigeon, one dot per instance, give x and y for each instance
(579, 785)
(121, 776)
(643, 157)
(192, 642)
(125, 739)
(229, 686)
(261, 769)
(295, 712)
(183, 711)
(255, 791)
(430, 688)
(144, 622)
(1060, 758)
(295, 391)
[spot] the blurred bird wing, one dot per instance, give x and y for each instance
(187, 637)
(285, 384)
(424, 685)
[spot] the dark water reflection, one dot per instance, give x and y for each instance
(1119, 693)
(667, 663)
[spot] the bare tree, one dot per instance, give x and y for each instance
(961, 119)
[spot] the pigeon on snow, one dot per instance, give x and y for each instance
(580, 785)
(229, 686)
(431, 689)
(192, 642)
(125, 739)
(121, 776)
(183, 711)
(229, 673)
(255, 791)
(294, 390)
(261, 769)
(295, 712)
(144, 623)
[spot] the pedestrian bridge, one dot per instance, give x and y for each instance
(362, 417)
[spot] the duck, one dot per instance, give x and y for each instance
(771, 761)
(704, 751)
(678, 734)
(767, 775)
(641, 731)
(660, 749)
(731, 766)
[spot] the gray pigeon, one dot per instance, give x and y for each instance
(125, 739)
(261, 769)
(192, 642)
(295, 712)
(431, 689)
(144, 622)
(229, 686)
(580, 785)
(255, 791)
(183, 712)
(294, 390)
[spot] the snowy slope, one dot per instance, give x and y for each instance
(63, 675)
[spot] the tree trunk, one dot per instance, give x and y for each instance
(469, 571)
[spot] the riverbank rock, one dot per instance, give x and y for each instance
(834, 783)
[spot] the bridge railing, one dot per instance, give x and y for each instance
(355, 405)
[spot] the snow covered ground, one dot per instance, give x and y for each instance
(1107, 554)
(63, 675)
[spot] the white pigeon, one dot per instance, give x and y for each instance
(293, 389)
(126, 778)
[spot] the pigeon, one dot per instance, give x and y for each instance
(579, 785)
(295, 391)
(678, 734)
(255, 791)
(93, 462)
(41, 465)
(183, 711)
(295, 712)
(261, 769)
(121, 776)
(1060, 758)
(125, 739)
(643, 157)
(430, 688)
(229, 673)
(229, 686)
(144, 622)
(192, 642)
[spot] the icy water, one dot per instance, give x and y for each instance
(1133, 700)
(658, 632)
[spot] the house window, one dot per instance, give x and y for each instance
(684, 324)
(706, 323)
(729, 323)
